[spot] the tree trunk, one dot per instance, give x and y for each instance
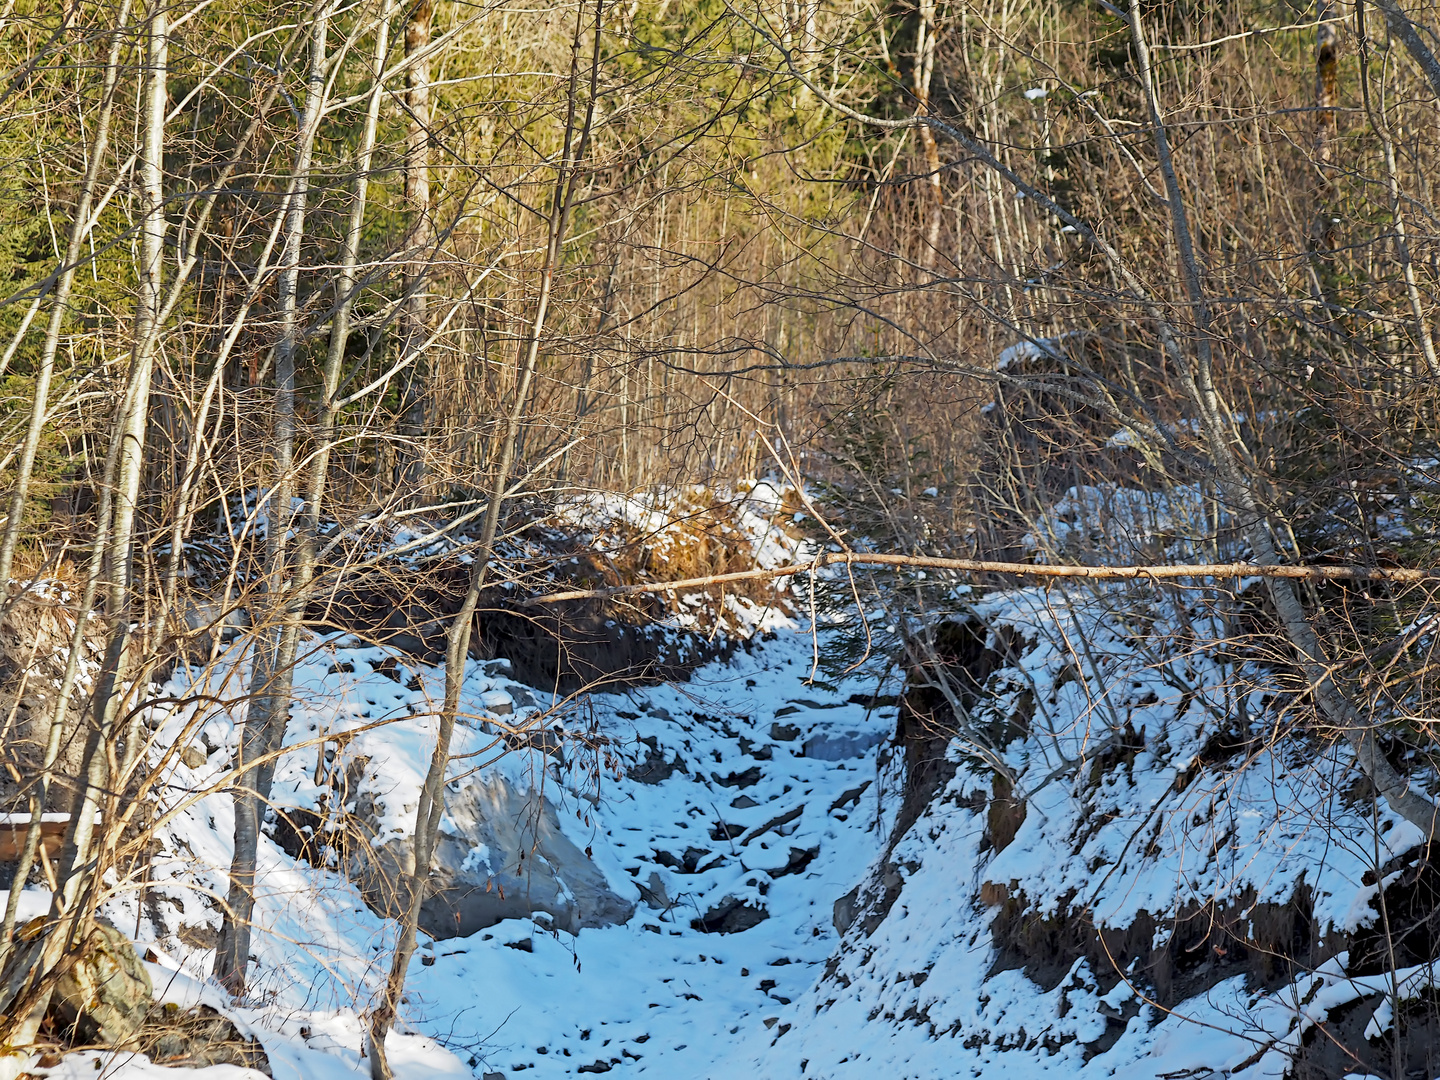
(1331, 696)
(125, 465)
(1411, 37)
(924, 76)
(79, 226)
(457, 640)
(56, 720)
(414, 423)
(1327, 57)
(272, 668)
(1420, 327)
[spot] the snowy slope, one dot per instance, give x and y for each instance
(659, 996)
(1130, 818)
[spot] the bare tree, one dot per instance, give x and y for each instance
(273, 659)
(69, 914)
(59, 310)
(1237, 481)
(431, 807)
(413, 321)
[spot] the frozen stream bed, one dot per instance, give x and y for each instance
(758, 744)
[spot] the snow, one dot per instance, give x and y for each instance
(783, 800)
(1025, 350)
(1034, 348)
(659, 989)
(1113, 523)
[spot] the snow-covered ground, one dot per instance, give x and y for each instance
(733, 811)
(658, 996)
(771, 807)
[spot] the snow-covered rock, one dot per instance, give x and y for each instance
(500, 854)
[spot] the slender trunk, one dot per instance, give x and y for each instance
(275, 645)
(78, 227)
(125, 465)
(39, 798)
(924, 76)
(1327, 63)
(582, 394)
(1421, 327)
(54, 731)
(457, 642)
(1327, 50)
(180, 526)
(413, 322)
(135, 412)
(344, 293)
(1413, 39)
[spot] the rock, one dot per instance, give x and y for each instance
(875, 701)
(301, 834)
(845, 910)
(730, 916)
(799, 859)
(784, 732)
(654, 768)
(501, 856)
(744, 802)
(192, 756)
(749, 778)
(197, 1038)
(838, 746)
(106, 994)
(497, 702)
(654, 894)
(852, 795)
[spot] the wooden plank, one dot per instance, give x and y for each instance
(13, 828)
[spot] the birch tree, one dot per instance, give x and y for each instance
(69, 913)
(413, 321)
(579, 122)
(273, 658)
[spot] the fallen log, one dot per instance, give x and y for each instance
(1159, 572)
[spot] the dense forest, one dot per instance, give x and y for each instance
(443, 442)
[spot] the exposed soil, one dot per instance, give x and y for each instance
(564, 647)
(35, 636)
(1339, 1048)
(1204, 944)
(924, 727)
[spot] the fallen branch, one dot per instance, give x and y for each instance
(1403, 575)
